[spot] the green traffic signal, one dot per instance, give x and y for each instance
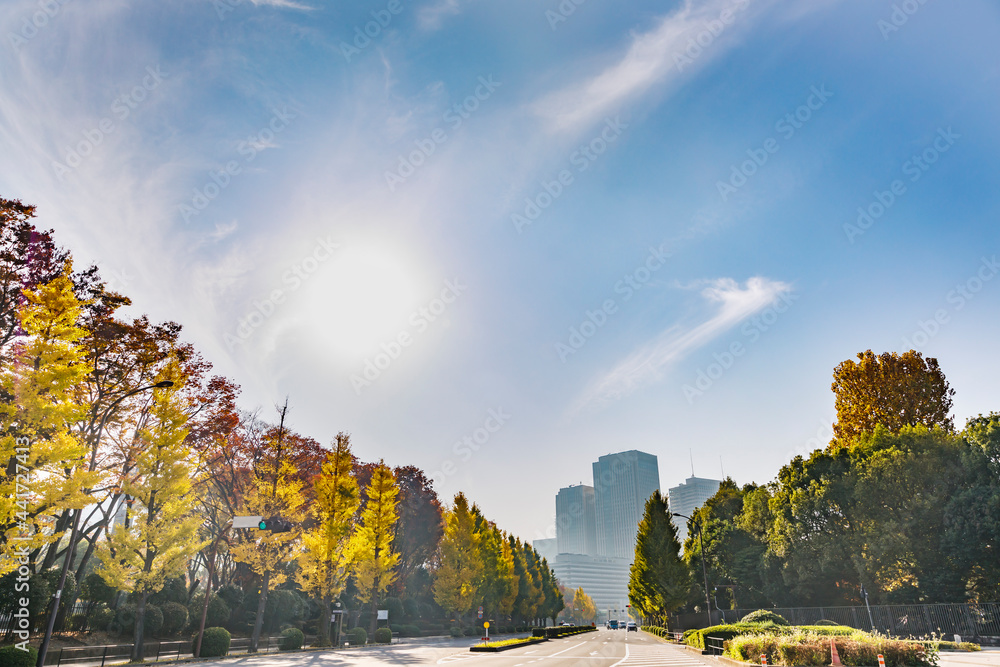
(262, 525)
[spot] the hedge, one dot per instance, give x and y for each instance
(12, 656)
(658, 631)
(506, 644)
(291, 639)
(809, 649)
(558, 631)
(214, 644)
(764, 616)
(696, 638)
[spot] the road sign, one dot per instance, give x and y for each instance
(486, 625)
(246, 521)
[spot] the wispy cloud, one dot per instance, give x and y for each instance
(432, 16)
(647, 363)
(288, 4)
(655, 57)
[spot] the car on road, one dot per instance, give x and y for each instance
(632, 627)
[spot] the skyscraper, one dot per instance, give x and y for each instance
(623, 483)
(688, 497)
(576, 521)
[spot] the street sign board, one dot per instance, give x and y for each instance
(383, 615)
(246, 521)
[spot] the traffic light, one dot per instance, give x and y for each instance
(275, 524)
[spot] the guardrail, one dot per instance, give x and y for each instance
(715, 644)
(100, 656)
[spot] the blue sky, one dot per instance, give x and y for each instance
(633, 228)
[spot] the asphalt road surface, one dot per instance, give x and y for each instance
(604, 648)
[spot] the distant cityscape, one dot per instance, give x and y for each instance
(596, 525)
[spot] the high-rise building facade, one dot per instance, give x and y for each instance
(688, 497)
(623, 483)
(576, 521)
(546, 548)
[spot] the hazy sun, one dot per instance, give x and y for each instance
(362, 298)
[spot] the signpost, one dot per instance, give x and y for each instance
(487, 626)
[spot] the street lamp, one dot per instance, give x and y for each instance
(44, 647)
(704, 571)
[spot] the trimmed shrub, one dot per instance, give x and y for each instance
(124, 622)
(11, 656)
(807, 649)
(764, 616)
(383, 636)
(357, 636)
(832, 630)
(825, 621)
(152, 620)
(215, 643)
(101, 618)
(77, 622)
(175, 618)
(408, 630)
(291, 639)
(456, 632)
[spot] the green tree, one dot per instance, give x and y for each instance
(658, 579)
(892, 390)
(374, 559)
(324, 563)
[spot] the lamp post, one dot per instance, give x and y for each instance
(704, 570)
(44, 647)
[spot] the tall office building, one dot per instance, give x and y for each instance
(546, 548)
(576, 521)
(688, 497)
(623, 483)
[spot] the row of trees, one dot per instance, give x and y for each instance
(899, 503)
(126, 459)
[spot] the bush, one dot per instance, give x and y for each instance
(291, 639)
(215, 643)
(383, 636)
(175, 618)
(76, 622)
(831, 630)
(218, 611)
(101, 618)
(825, 621)
(456, 632)
(152, 620)
(764, 616)
(357, 636)
(810, 649)
(11, 656)
(408, 630)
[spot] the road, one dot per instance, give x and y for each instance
(604, 648)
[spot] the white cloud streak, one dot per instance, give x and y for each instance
(647, 363)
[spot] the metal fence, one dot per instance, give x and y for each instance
(902, 620)
(99, 656)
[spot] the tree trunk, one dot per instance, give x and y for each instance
(374, 623)
(323, 629)
(259, 623)
(138, 648)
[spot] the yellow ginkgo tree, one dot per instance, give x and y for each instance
(160, 534)
(325, 559)
(45, 457)
(374, 559)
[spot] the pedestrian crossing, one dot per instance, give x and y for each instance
(640, 655)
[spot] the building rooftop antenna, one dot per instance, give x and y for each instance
(691, 454)
(722, 468)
